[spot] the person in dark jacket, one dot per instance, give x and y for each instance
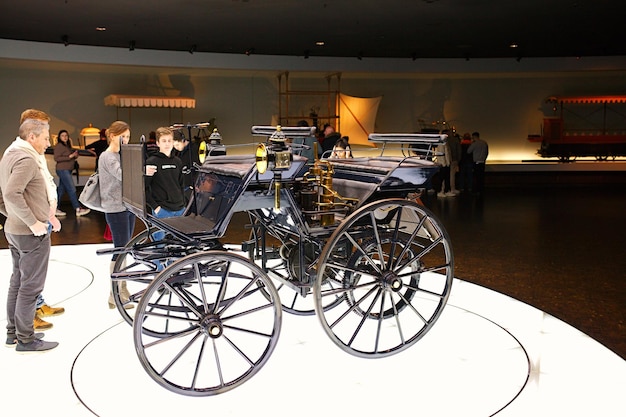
(188, 154)
(65, 156)
(165, 179)
(330, 139)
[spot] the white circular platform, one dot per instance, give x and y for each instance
(487, 354)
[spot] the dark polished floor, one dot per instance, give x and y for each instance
(557, 248)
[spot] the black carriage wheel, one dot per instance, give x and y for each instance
(391, 262)
(279, 267)
(125, 262)
(221, 333)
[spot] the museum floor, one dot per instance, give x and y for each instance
(535, 325)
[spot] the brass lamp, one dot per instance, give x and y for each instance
(89, 135)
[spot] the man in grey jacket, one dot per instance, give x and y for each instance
(24, 202)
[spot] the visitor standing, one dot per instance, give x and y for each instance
(24, 202)
(479, 151)
(65, 156)
(120, 220)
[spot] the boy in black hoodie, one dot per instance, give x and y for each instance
(164, 180)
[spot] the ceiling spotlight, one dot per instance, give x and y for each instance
(320, 43)
(192, 49)
(250, 51)
(66, 40)
(131, 46)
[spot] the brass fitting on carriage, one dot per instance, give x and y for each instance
(327, 199)
(320, 195)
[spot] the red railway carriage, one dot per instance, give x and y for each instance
(584, 126)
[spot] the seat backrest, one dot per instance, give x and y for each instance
(133, 188)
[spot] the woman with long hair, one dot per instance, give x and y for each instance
(120, 220)
(65, 156)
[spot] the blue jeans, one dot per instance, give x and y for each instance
(122, 226)
(162, 214)
(66, 185)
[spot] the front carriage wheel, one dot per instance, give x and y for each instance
(391, 262)
(221, 330)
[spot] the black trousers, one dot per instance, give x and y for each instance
(479, 177)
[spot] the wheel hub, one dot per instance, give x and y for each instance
(212, 326)
(390, 280)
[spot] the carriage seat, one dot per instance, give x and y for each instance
(360, 177)
(229, 165)
(354, 189)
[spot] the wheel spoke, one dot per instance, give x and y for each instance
(363, 252)
(353, 308)
(379, 246)
(368, 311)
(409, 241)
(179, 355)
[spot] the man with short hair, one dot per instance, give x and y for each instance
(24, 202)
(479, 151)
(43, 309)
(164, 180)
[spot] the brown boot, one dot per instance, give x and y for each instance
(47, 311)
(41, 325)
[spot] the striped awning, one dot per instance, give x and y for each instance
(119, 100)
(588, 99)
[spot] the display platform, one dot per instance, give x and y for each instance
(487, 355)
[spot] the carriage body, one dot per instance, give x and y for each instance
(341, 239)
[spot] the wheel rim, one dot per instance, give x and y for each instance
(392, 263)
(221, 330)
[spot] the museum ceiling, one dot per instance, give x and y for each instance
(413, 29)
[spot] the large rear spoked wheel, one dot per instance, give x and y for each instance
(391, 262)
(223, 320)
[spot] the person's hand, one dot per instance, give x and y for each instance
(39, 228)
(56, 224)
(150, 170)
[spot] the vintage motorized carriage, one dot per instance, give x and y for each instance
(342, 239)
